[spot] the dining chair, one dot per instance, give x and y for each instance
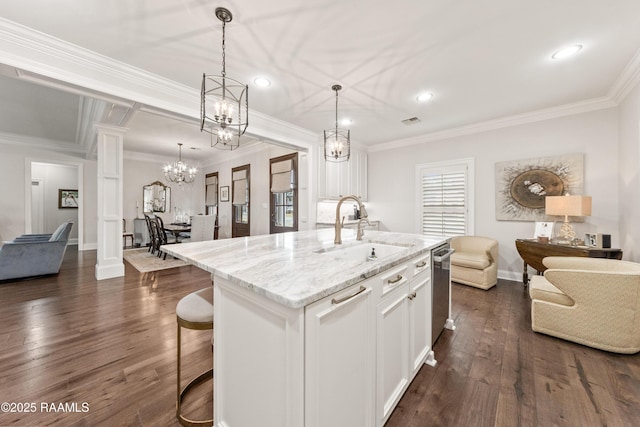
(147, 219)
(125, 234)
(163, 238)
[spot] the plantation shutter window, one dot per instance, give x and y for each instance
(444, 201)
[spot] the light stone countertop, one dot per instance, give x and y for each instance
(295, 269)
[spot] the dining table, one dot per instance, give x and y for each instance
(176, 229)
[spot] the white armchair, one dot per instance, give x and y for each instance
(475, 261)
(594, 302)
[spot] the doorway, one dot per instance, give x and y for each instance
(211, 198)
(284, 193)
(241, 190)
(37, 206)
(44, 210)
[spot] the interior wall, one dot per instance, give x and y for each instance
(392, 183)
(629, 176)
(55, 177)
(258, 157)
(13, 164)
(139, 172)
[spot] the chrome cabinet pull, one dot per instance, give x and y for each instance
(422, 264)
(343, 299)
(396, 280)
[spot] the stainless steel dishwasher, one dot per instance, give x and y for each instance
(441, 286)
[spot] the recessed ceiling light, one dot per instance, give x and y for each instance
(424, 97)
(262, 82)
(345, 122)
(567, 51)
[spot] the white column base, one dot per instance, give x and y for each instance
(449, 324)
(109, 271)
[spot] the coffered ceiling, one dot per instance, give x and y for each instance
(483, 60)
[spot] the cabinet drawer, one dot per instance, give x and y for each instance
(394, 278)
(421, 264)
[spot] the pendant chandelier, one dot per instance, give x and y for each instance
(224, 108)
(337, 142)
(179, 172)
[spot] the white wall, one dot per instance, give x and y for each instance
(14, 162)
(258, 157)
(141, 171)
(629, 177)
(392, 183)
(53, 178)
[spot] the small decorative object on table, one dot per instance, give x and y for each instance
(544, 231)
(600, 241)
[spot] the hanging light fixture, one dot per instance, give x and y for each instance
(337, 142)
(224, 108)
(179, 172)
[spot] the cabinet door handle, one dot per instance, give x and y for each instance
(412, 295)
(343, 299)
(422, 264)
(396, 280)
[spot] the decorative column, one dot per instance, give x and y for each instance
(110, 194)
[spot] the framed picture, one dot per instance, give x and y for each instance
(544, 230)
(224, 193)
(67, 199)
(523, 185)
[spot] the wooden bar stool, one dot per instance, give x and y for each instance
(194, 311)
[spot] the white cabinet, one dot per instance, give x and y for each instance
(392, 347)
(420, 316)
(342, 179)
(339, 362)
(403, 332)
(344, 360)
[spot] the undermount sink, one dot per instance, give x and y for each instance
(362, 251)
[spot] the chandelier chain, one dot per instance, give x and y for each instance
(337, 111)
(224, 73)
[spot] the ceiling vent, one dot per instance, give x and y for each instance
(411, 121)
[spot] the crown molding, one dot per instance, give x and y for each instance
(53, 145)
(149, 158)
(50, 61)
(47, 60)
(627, 80)
(504, 122)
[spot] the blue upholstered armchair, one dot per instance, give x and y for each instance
(34, 254)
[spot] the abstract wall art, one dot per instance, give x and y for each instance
(522, 185)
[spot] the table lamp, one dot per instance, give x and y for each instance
(567, 206)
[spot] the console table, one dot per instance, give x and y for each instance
(532, 252)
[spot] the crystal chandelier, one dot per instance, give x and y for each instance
(224, 108)
(179, 172)
(337, 142)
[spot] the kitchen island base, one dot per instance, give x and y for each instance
(344, 360)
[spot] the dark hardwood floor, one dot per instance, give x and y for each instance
(108, 348)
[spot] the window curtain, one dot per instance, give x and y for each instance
(211, 191)
(240, 187)
(281, 176)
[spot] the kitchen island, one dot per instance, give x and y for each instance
(308, 333)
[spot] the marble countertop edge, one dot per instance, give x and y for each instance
(290, 268)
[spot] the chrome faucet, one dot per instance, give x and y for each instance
(363, 214)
